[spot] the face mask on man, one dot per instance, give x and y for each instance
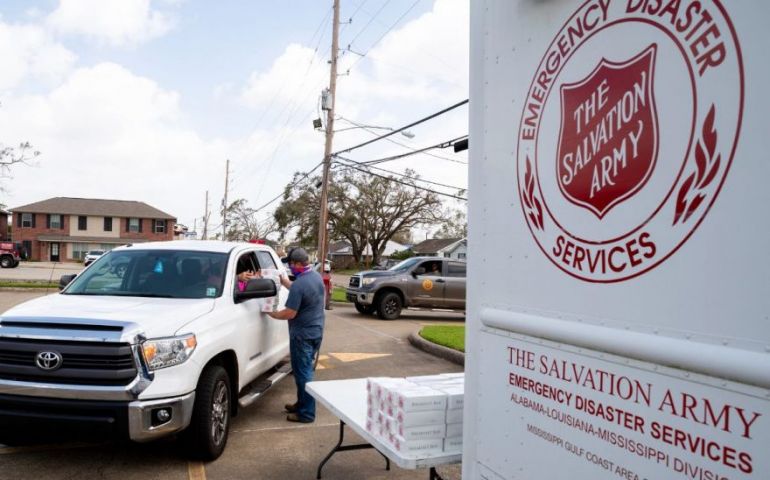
(297, 271)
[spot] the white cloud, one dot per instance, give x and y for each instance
(29, 52)
(117, 22)
(107, 133)
(295, 70)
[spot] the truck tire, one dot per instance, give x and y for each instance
(389, 306)
(6, 261)
(206, 437)
(364, 309)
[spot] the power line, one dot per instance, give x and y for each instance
(399, 130)
(400, 144)
(384, 34)
(445, 144)
(370, 21)
(363, 170)
(291, 185)
(391, 172)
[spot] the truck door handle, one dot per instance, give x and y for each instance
(440, 280)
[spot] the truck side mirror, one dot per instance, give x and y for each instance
(418, 271)
(257, 288)
(65, 280)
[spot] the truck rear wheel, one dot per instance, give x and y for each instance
(389, 306)
(206, 437)
(364, 309)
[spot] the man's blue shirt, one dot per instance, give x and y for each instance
(306, 297)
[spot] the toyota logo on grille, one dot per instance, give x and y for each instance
(48, 360)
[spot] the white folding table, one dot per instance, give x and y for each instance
(346, 399)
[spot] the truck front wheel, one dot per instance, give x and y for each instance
(6, 261)
(389, 306)
(364, 309)
(206, 437)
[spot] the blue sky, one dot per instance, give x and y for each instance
(167, 89)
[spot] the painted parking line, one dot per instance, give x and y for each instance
(288, 427)
(346, 357)
(196, 471)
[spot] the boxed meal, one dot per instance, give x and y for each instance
(421, 447)
(453, 445)
(420, 398)
(454, 430)
(454, 415)
(426, 417)
(422, 431)
(454, 395)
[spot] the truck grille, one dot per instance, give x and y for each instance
(355, 281)
(83, 363)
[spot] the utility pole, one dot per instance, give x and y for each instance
(323, 233)
(224, 201)
(206, 218)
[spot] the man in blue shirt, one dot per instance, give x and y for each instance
(305, 313)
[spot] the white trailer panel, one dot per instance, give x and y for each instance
(619, 293)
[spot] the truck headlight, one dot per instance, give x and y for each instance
(368, 281)
(167, 352)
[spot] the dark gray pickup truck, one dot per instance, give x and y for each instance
(425, 282)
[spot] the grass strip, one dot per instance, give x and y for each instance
(451, 336)
(9, 284)
(338, 294)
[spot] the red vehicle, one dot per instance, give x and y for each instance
(9, 256)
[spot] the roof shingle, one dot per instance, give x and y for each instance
(95, 207)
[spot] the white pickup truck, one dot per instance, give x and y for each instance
(150, 340)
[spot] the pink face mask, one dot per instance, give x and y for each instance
(299, 271)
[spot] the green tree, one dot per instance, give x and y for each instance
(364, 209)
(454, 224)
(12, 156)
(243, 224)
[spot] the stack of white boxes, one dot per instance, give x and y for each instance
(417, 416)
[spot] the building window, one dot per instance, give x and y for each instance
(107, 224)
(133, 225)
(82, 222)
(55, 221)
(26, 220)
(160, 226)
(79, 251)
(106, 247)
(461, 256)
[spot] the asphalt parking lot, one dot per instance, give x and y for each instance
(39, 271)
(262, 444)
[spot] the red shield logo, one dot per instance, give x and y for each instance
(608, 141)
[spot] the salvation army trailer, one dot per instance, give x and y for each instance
(619, 249)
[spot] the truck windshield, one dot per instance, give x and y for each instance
(153, 273)
(404, 266)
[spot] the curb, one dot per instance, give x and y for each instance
(341, 304)
(434, 349)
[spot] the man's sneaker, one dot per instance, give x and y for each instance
(293, 417)
(290, 407)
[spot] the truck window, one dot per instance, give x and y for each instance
(432, 268)
(153, 273)
(247, 262)
(456, 269)
(265, 260)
